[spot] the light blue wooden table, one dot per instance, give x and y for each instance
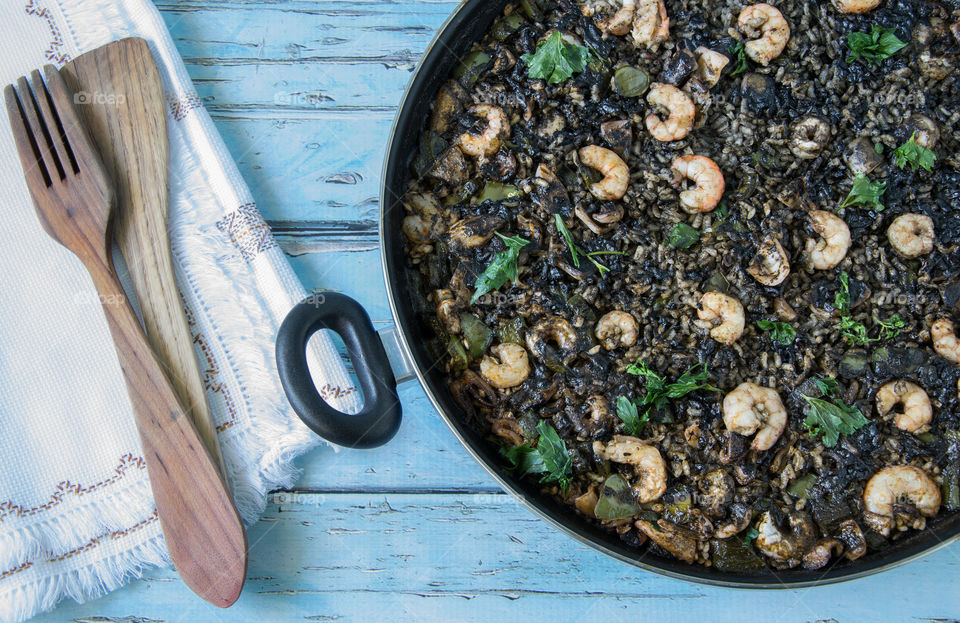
(304, 94)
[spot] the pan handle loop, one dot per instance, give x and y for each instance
(380, 417)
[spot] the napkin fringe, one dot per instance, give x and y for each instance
(66, 530)
(91, 581)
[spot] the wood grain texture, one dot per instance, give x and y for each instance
(481, 557)
(415, 530)
(74, 202)
(122, 107)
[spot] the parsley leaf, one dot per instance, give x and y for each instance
(826, 385)
(865, 193)
(780, 332)
(549, 458)
(877, 46)
(889, 329)
(853, 331)
(916, 156)
(633, 422)
(736, 49)
(749, 536)
(829, 419)
(556, 60)
(659, 392)
(502, 269)
(683, 236)
(576, 251)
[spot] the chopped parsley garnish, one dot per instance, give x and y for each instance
(877, 46)
(736, 50)
(556, 60)
(749, 536)
(890, 329)
(633, 422)
(549, 457)
(502, 269)
(683, 236)
(660, 393)
(780, 332)
(829, 419)
(855, 332)
(915, 155)
(865, 193)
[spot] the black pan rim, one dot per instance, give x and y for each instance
(924, 543)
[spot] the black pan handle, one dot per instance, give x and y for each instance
(380, 417)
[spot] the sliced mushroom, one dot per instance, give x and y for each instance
(770, 266)
(861, 156)
(671, 537)
(472, 232)
(852, 536)
(710, 66)
(451, 167)
(716, 491)
(618, 135)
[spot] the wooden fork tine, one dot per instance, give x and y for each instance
(31, 145)
(54, 126)
(76, 136)
(31, 157)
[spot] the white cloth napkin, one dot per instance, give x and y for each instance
(77, 517)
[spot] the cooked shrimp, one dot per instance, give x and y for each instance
(680, 112)
(897, 483)
(487, 142)
(911, 235)
(770, 266)
(832, 243)
(808, 137)
(616, 175)
(768, 32)
(507, 368)
(551, 329)
(751, 408)
(708, 178)
(651, 469)
(917, 411)
(723, 314)
(616, 328)
(619, 23)
(855, 6)
(651, 24)
(945, 341)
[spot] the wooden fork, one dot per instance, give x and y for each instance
(74, 202)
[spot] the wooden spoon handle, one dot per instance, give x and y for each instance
(203, 531)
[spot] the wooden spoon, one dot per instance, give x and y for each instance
(119, 97)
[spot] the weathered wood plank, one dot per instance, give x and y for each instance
(310, 169)
(384, 557)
